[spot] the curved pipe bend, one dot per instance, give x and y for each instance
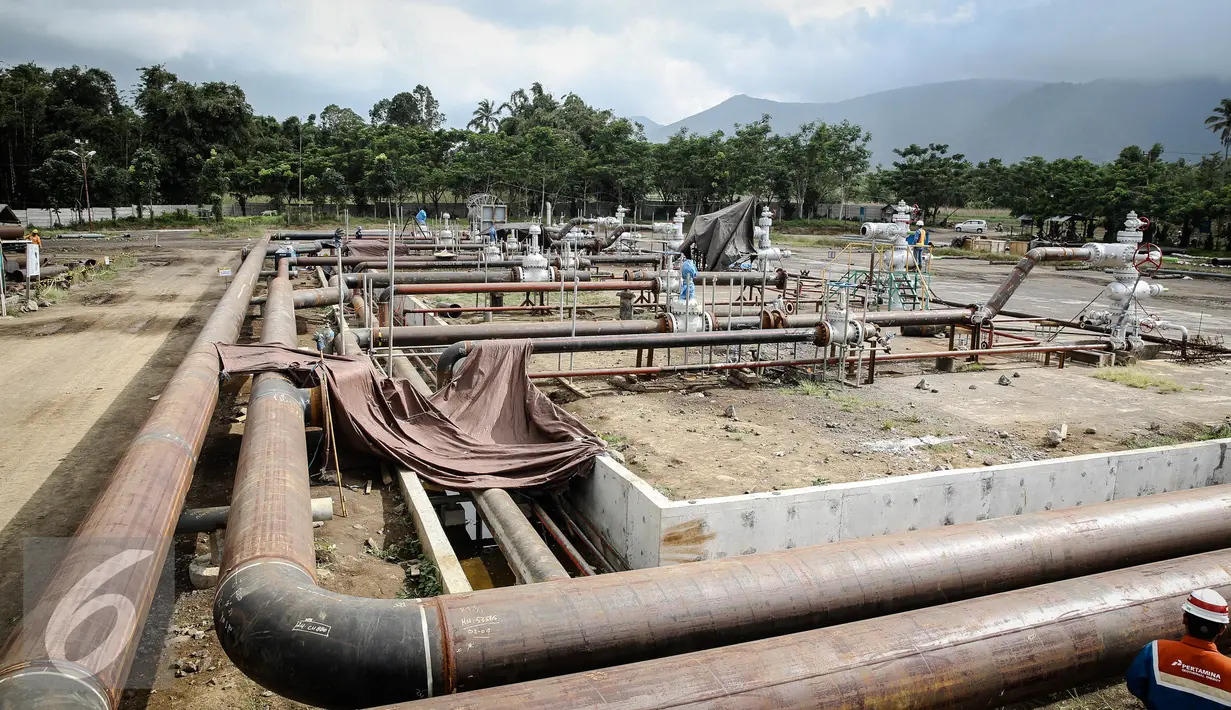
(448, 358)
(327, 649)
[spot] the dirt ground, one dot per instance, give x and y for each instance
(78, 378)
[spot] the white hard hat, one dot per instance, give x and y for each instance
(1207, 604)
(919, 223)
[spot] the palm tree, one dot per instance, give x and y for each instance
(517, 102)
(1220, 124)
(486, 117)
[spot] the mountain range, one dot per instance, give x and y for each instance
(1000, 118)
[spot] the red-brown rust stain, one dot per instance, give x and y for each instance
(685, 542)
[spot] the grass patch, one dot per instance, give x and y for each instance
(1138, 378)
(820, 481)
(889, 425)
(52, 294)
(972, 367)
(796, 240)
(846, 402)
(615, 441)
(666, 490)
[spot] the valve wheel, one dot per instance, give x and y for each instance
(1148, 259)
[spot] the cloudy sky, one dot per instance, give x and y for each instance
(664, 59)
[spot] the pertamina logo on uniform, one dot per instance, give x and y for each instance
(1208, 675)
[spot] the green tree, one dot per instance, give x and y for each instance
(409, 108)
(1220, 124)
(929, 177)
(59, 178)
(144, 173)
(486, 118)
(213, 182)
(109, 185)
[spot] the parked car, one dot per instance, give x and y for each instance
(978, 226)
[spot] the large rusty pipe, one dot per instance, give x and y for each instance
(491, 637)
(1023, 268)
(806, 362)
(988, 652)
(528, 556)
(522, 287)
(428, 335)
(59, 660)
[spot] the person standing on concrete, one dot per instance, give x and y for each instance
(1189, 673)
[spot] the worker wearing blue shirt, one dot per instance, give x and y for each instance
(421, 218)
(919, 239)
(1188, 674)
(688, 272)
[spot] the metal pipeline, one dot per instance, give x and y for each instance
(625, 258)
(428, 335)
(1024, 266)
(125, 537)
(988, 652)
(339, 651)
(528, 556)
(602, 343)
(802, 362)
(203, 520)
(520, 287)
(717, 278)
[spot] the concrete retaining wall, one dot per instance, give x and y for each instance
(627, 511)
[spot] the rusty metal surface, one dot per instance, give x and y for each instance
(521, 287)
(128, 530)
(592, 622)
(528, 556)
(423, 335)
(982, 653)
(271, 503)
(1023, 268)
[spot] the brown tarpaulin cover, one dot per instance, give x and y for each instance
(489, 428)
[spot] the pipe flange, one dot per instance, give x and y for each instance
(824, 335)
(664, 326)
(767, 320)
(707, 320)
(790, 308)
(519, 274)
(671, 323)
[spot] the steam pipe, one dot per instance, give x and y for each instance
(199, 520)
(528, 556)
(427, 335)
(987, 652)
(602, 343)
(127, 531)
(272, 619)
(520, 287)
(1024, 266)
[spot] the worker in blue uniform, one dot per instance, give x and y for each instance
(1188, 674)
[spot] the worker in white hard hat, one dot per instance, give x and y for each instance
(919, 239)
(1189, 673)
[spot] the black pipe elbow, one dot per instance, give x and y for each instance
(325, 649)
(449, 358)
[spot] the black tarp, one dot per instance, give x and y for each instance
(723, 238)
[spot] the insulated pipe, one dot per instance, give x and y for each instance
(203, 520)
(381, 278)
(310, 297)
(427, 335)
(528, 556)
(625, 258)
(521, 287)
(603, 343)
(988, 652)
(352, 652)
(125, 536)
(1024, 266)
